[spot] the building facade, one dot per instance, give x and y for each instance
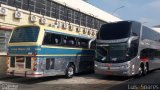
(68, 14)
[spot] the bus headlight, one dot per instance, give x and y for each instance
(125, 66)
(122, 67)
(133, 67)
(95, 65)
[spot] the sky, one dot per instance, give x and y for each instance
(145, 11)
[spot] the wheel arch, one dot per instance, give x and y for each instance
(72, 63)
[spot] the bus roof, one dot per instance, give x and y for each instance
(60, 31)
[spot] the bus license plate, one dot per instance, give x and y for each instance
(20, 66)
(114, 68)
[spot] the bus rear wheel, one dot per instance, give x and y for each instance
(70, 71)
(140, 72)
(145, 70)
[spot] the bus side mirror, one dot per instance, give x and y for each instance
(131, 39)
(90, 43)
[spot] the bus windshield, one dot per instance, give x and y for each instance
(112, 53)
(112, 31)
(25, 34)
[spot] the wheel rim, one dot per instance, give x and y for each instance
(70, 71)
(140, 71)
(145, 70)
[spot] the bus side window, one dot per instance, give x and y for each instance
(56, 41)
(71, 41)
(47, 39)
(51, 39)
(152, 53)
(83, 43)
(64, 41)
(78, 43)
(144, 54)
(157, 54)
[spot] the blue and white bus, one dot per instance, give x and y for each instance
(39, 51)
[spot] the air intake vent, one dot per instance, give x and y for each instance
(33, 18)
(3, 11)
(18, 14)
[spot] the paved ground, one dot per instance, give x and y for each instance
(85, 81)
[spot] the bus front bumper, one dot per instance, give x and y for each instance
(115, 71)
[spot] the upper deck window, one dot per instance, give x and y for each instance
(112, 31)
(25, 34)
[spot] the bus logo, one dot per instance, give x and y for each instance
(114, 59)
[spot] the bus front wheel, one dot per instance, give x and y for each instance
(145, 69)
(70, 71)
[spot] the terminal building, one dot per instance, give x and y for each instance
(68, 14)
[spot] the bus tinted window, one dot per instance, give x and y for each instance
(25, 34)
(51, 38)
(136, 27)
(70, 41)
(150, 34)
(83, 43)
(64, 40)
(114, 31)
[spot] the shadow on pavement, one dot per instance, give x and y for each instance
(86, 75)
(92, 75)
(23, 80)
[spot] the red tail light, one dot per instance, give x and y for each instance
(35, 64)
(34, 69)
(34, 60)
(34, 54)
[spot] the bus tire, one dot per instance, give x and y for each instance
(145, 69)
(70, 71)
(140, 71)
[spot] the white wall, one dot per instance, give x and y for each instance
(89, 9)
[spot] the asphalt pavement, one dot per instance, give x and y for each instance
(82, 81)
